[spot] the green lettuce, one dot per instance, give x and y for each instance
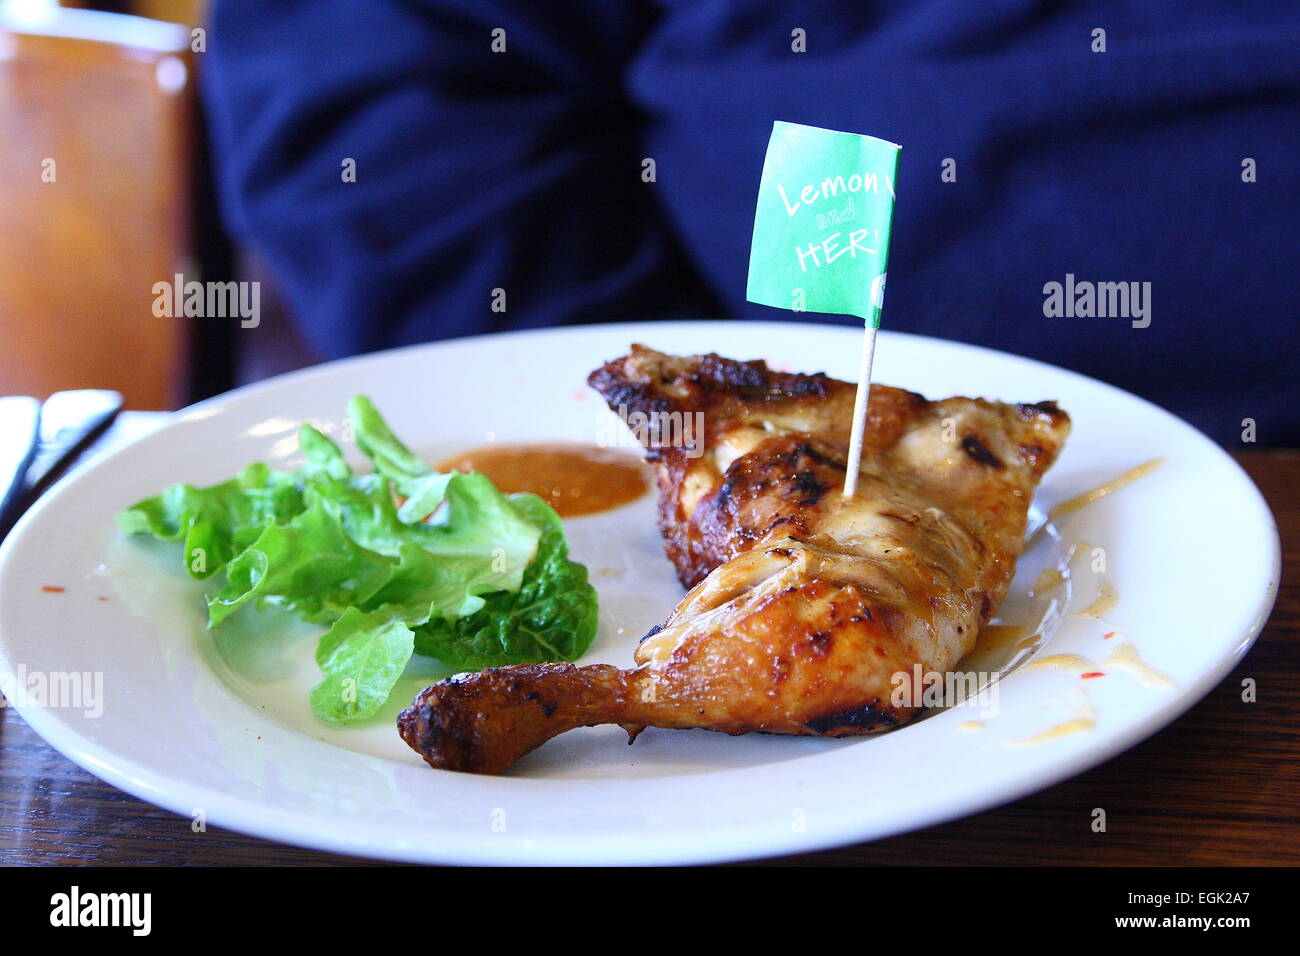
(551, 617)
(456, 571)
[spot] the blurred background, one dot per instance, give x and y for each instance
(396, 171)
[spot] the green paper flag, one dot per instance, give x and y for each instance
(821, 227)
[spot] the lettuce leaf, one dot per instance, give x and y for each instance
(552, 617)
(308, 564)
(456, 570)
(361, 657)
(219, 522)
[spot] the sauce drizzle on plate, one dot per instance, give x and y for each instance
(1110, 487)
(572, 478)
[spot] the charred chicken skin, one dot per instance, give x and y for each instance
(808, 612)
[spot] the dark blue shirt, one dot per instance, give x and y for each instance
(479, 170)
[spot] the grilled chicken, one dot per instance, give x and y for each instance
(808, 613)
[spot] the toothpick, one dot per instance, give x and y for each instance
(860, 403)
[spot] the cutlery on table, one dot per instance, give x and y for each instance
(38, 439)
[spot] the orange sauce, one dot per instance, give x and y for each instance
(1075, 726)
(572, 478)
(1109, 488)
(1065, 663)
(996, 637)
(1049, 579)
(1105, 601)
(1126, 657)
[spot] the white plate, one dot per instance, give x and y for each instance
(220, 726)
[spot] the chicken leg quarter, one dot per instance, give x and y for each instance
(807, 612)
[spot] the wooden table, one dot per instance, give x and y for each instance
(1219, 786)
